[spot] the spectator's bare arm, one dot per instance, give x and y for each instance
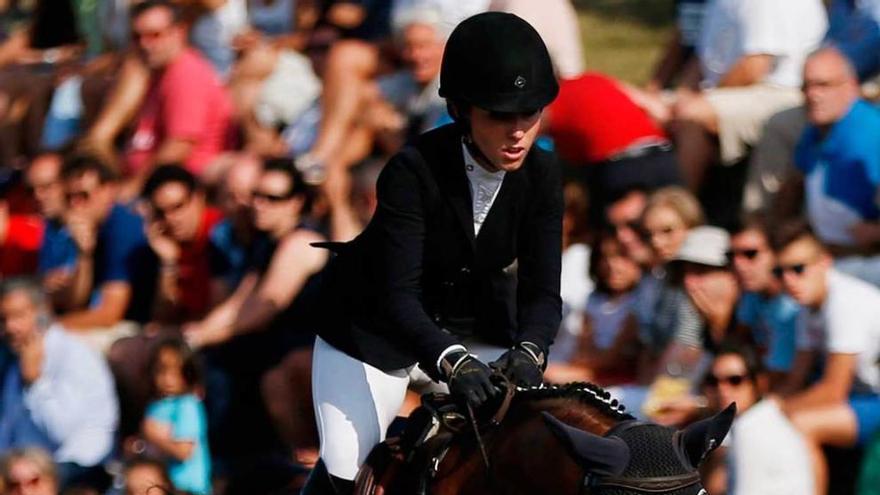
(217, 326)
(114, 298)
(832, 388)
(292, 265)
(794, 381)
(671, 60)
(747, 71)
(173, 150)
(159, 434)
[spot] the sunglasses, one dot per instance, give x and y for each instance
(748, 254)
(27, 483)
(780, 270)
(161, 213)
(633, 225)
(732, 380)
(271, 198)
(77, 196)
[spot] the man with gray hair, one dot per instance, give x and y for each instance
(55, 392)
(838, 162)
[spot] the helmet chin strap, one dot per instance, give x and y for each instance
(478, 154)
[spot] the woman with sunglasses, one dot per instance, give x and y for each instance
(460, 264)
(764, 453)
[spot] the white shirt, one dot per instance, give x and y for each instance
(74, 400)
(484, 188)
(847, 323)
(575, 287)
(767, 455)
(787, 29)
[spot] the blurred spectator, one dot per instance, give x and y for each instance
(709, 282)
(283, 266)
(185, 117)
(614, 144)
(110, 281)
(679, 54)
(20, 234)
(770, 314)
(179, 230)
(28, 471)
(869, 479)
(751, 53)
(271, 312)
(58, 394)
(670, 325)
(764, 455)
(57, 251)
(840, 322)
(854, 28)
(623, 215)
(146, 476)
(233, 236)
(557, 23)
(606, 349)
(838, 161)
(175, 422)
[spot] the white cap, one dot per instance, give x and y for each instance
(705, 245)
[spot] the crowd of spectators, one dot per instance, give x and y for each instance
(167, 169)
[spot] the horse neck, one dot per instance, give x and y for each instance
(586, 417)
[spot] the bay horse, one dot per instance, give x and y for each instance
(567, 440)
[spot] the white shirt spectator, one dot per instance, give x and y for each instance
(452, 11)
(787, 29)
(767, 455)
(73, 402)
(847, 323)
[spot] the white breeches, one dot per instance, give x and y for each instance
(355, 402)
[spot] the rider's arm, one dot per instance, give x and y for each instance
(540, 253)
(400, 229)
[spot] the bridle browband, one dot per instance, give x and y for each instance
(648, 484)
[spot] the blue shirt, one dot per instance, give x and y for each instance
(774, 325)
(849, 158)
(854, 27)
(70, 410)
(229, 257)
(58, 249)
(122, 254)
(186, 417)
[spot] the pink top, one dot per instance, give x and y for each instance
(187, 101)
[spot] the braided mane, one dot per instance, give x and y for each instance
(586, 393)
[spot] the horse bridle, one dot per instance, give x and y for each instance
(648, 484)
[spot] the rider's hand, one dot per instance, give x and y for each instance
(523, 365)
(469, 378)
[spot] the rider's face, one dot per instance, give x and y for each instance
(504, 138)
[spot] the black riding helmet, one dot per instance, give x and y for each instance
(498, 62)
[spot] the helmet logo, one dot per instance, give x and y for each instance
(520, 82)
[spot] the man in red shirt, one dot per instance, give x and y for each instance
(185, 117)
(178, 230)
(613, 144)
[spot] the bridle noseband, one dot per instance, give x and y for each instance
(648, 484)
(657, 484)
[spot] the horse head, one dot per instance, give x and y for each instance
(635, 457)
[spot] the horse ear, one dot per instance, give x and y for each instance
(603, 456)
(702, 437)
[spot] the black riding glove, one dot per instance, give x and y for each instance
(523, 365)
(468, 377)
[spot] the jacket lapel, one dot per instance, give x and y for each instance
(454, 182)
